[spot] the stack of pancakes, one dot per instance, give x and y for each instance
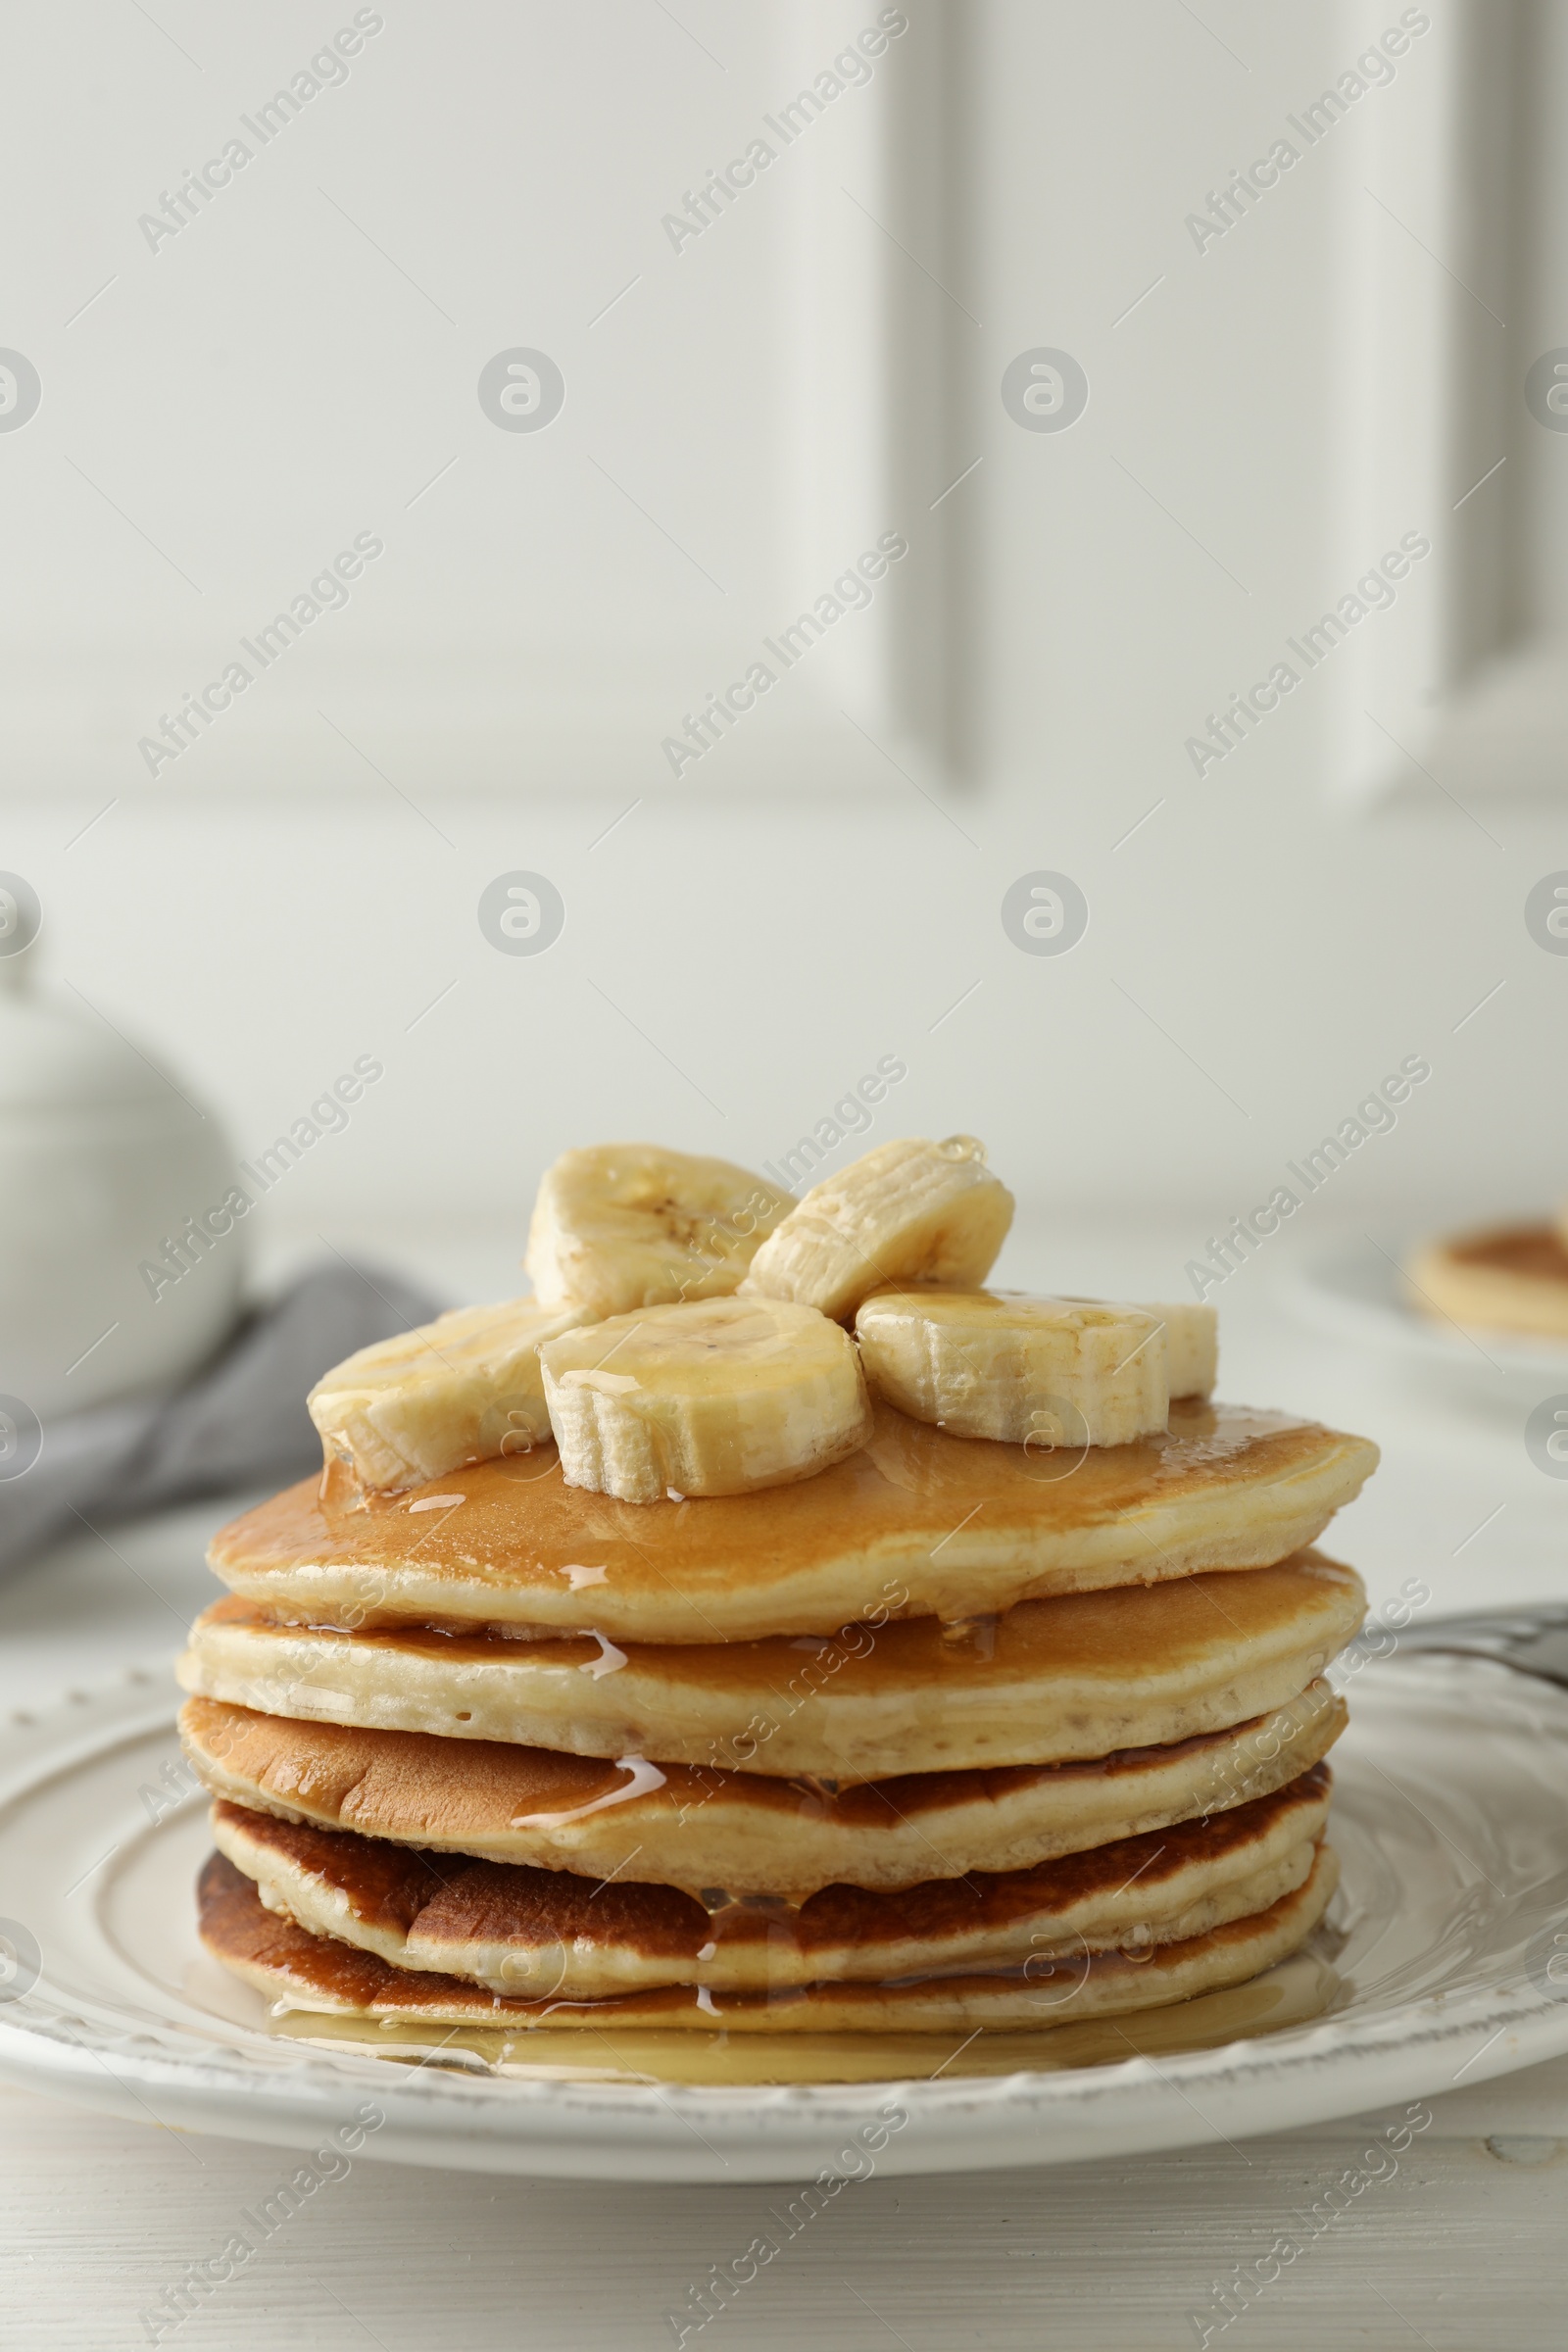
(939, 1738)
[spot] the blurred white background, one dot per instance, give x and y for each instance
(222, 409)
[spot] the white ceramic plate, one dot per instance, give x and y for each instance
(1437, 1964)
(1352, 1289)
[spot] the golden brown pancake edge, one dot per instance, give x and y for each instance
(919, 1523)
(1048, 1682)
(304, 1972)
(517, 1930)
(754, 1835)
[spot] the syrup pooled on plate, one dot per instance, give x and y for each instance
(1292, 1994)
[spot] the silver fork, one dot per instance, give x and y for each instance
(1531, 1640)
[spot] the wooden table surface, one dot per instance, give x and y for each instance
(1465, 2247)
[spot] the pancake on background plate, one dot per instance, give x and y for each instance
(1500, 1278)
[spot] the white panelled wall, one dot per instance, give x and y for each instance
(750, 939)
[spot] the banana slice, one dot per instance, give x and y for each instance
(713, 1397)
(627, 1225)
(1191, 1342)
(465, 1388)
(1192, 1346)
(1061, 1372)
(909, 1211)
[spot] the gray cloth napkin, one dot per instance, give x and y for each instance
(239, 1423)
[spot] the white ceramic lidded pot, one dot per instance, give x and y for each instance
(102, 1159)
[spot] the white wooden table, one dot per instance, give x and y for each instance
(1464, 2248)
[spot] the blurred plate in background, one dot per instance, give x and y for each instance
(1353, 1289)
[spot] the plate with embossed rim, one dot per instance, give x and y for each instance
(1354, 1288)
(1444, 1957)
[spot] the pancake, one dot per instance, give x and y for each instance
(735, 1830)
(1049, 1682)
(547, 1932)
(919, 1523)
(299, 1971)
(1505, 1278)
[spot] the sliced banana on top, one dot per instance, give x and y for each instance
(1192, 1346)
(909, 1211)
(1059, 1372)
(465, 1388)
(713, 1397)
(626, 1225)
